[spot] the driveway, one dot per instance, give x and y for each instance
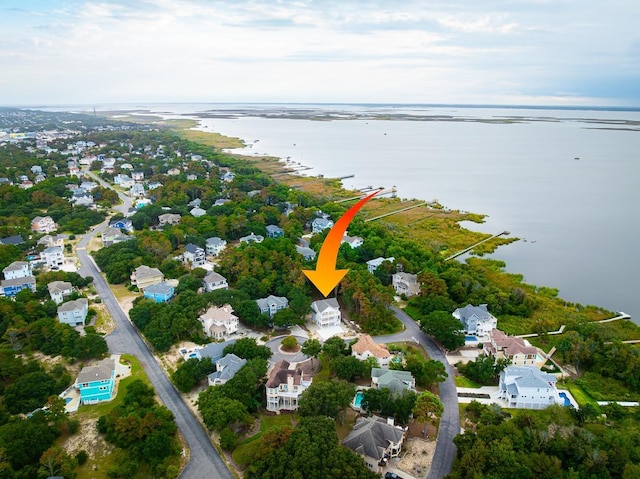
(450, 420)
(278, 355)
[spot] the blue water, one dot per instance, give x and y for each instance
(567, 402)
(357, 400)
(470, 338)
(67, 400)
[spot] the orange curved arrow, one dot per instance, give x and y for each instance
(326, 277)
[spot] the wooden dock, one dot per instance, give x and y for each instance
(466, 250)
(396, 211)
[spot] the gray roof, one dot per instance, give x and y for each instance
(529, 376)
(274, 229)
(252, 237)
(469, 310)
(306, 252)
(227, 366)
(18, 281)
(392, 379)
(371, 437)
(12, 240)
(146, 272)
(100, 372)
(16, 266)
(322, 222)
(323, 304)
(163, 288)
(58, 286)
(193, 249)
(214, 350)
(53, 250)
(272, 300)
(215, 241)
(111, 232)
(73, 305)
(214, 277)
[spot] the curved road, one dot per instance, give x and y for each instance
(205, 460)
(450, 420)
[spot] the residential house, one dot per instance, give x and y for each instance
(307, 253)
(88, 185)
(82, 199)
(375, 439)
(17, 269)
(476, 319)
(373, 264)
(74, 312)
(353, 241)
(58, 290)
(226, 175)
(124, 181)
(194, 254)
(10, 287)
(366, 348)
(396, 381)
(213, 281)
(326, 312)
(49, 241)
(214, 351)
(517, 350)
(137, 175)
(114, 235)
(136, 190)
(405, 283)
(320, 224)
(274, 231)
(123, 224)
(43, 224)
(53, 257)
(173, 171)
(221, 201)
(226, 368)
(215, 245)
(195, 203)
(153, 185)
(169, 219)
(15, 240)
(144, 276)
(285, 386)
(219, 323)
(252, 238)
(526, 387)
(96, 383)
(142, 202)
(192, 177)
(272, 304)
(160, 292)
(197, 212)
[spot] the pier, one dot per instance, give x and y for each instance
(466, 250)
(396, 211)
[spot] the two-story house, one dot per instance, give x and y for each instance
(58, 290)
(373, 264)
(43, 224)
(17, 269)
(169, 219)
(219, 323)
(375, 439)
(326, 312)
(307, 253)
(213, 281)
(49, 241)
(526, 387)
(53, 257)
(517, 350)
(252, 238)
(215, 245)
(366, 348)
(197, 212)
(226, 368)
(476, 319)
(160, 292)
(272, 304)
(285, 386)
(318, 225)
(74, 312)
(194, 255)
(353, 241)
(144, 276)
(274, 231)
(113, 236)
(96, 383)
(405, 283)
(123, 224)
(10, 287)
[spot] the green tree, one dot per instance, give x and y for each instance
(248, 348)
(427, 406)
(348, 367)
(445, 328)
(311, 348)
(326, 398)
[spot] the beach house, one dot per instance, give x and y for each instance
(476, 319)
(366, 348)
(285, 386)
(96, 383)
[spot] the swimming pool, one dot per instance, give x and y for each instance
(357, 400)
(470, 338)
(567, 401)
(67, 400)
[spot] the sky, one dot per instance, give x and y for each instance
(524, 52)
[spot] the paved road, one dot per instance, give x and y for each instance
(278, 355)
(205, 462)
(450, 420)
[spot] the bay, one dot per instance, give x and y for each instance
(577, 218)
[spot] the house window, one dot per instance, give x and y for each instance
(84, 385)
(103, 388)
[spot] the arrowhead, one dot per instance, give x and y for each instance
(325, 280)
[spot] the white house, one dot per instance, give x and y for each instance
(49, 240)
(272, 304)
(219, 323)
(307, 253)
(53, 256)
(73, 313)
(285, 386)
(194, 254)
(353, 241)
(320, 224)
(373, 264)
(17, 269)
(226, 368)
(197, 212)
(169, 219)
(405, 283)
(252, 238)
(526, 387)
(366, 348)
(326, 312)
(215, 245)
(213, 281)
(58, 290)
(476, 319)
(43, 224)
(375, 439)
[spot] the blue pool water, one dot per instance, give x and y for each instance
(470, 338)
(567, 402)
(67, 400)
(357, 400)
(193, 355)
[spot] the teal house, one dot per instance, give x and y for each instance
(96, 383)
(160, 293)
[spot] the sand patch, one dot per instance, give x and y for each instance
(417, 456)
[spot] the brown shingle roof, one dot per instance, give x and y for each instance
(366, 343)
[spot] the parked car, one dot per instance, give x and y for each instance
(391, 475)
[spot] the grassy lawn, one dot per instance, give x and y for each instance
(578, 394)
(121, 292)
(605, 389)
(462, 382)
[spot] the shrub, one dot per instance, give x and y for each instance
(289, 343)
(82, 457)
(228, 439)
